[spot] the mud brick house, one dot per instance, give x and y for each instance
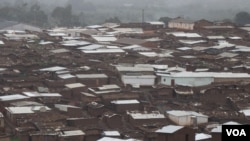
(113, 121)
(17, 114)
(44, 136)
(175, 133)
(121, 106)
(96, 109)
(92, 134)
(82, 121)
(92, 80)
(67, 78)
(72, 111)
(76, 89)
(187, 118)
(139, 118)
(87, 98)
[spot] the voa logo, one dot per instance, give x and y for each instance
(236, 132)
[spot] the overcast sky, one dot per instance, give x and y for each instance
(154, 9)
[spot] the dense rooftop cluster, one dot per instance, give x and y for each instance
(124, 82)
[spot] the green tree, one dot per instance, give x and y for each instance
(242, 18)
(165, 19)
(64, 17)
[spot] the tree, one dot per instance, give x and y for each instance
(64, 16)
(113, 20)
(242, 18)
(165, 19)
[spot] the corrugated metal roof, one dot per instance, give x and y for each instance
(93, 76)
(134, 69)
(104, 38)
(118, 102)
(91, 47)
(185, 34)
(74, 85)
(116, 139)
(61, 50)
(72, 133)
(66, 76)
(26, 110)
(53, 69)
(202, 136)
(12, 97)
(169, 129)
(111, 133)
(103, 51)
(152, 115)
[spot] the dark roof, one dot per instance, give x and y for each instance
(130, 41)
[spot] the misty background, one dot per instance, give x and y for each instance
(85, 12)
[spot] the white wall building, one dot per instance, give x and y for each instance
(195, 79)
(181, 23)
(187, 118)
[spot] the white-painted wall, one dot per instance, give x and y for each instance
(138, 80)
(187, 120)
(187, 81)
(187, 26)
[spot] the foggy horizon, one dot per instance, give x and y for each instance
(131, 11)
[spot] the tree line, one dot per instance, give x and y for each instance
(64, 16)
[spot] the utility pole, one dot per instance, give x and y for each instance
(142, 17)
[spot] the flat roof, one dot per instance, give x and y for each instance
(134, 69)
(185, 34)
(61, 50)
(91, 47)
(66, 76)
(94, 76)
(13, 97)
(111, 133)
(202, 136)
(120, 102)
(74, 85)
(72, 133)
(169, 129)
(26, 110)
(153, 115)
(36, 94)
(104, 50)
(53, 69)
